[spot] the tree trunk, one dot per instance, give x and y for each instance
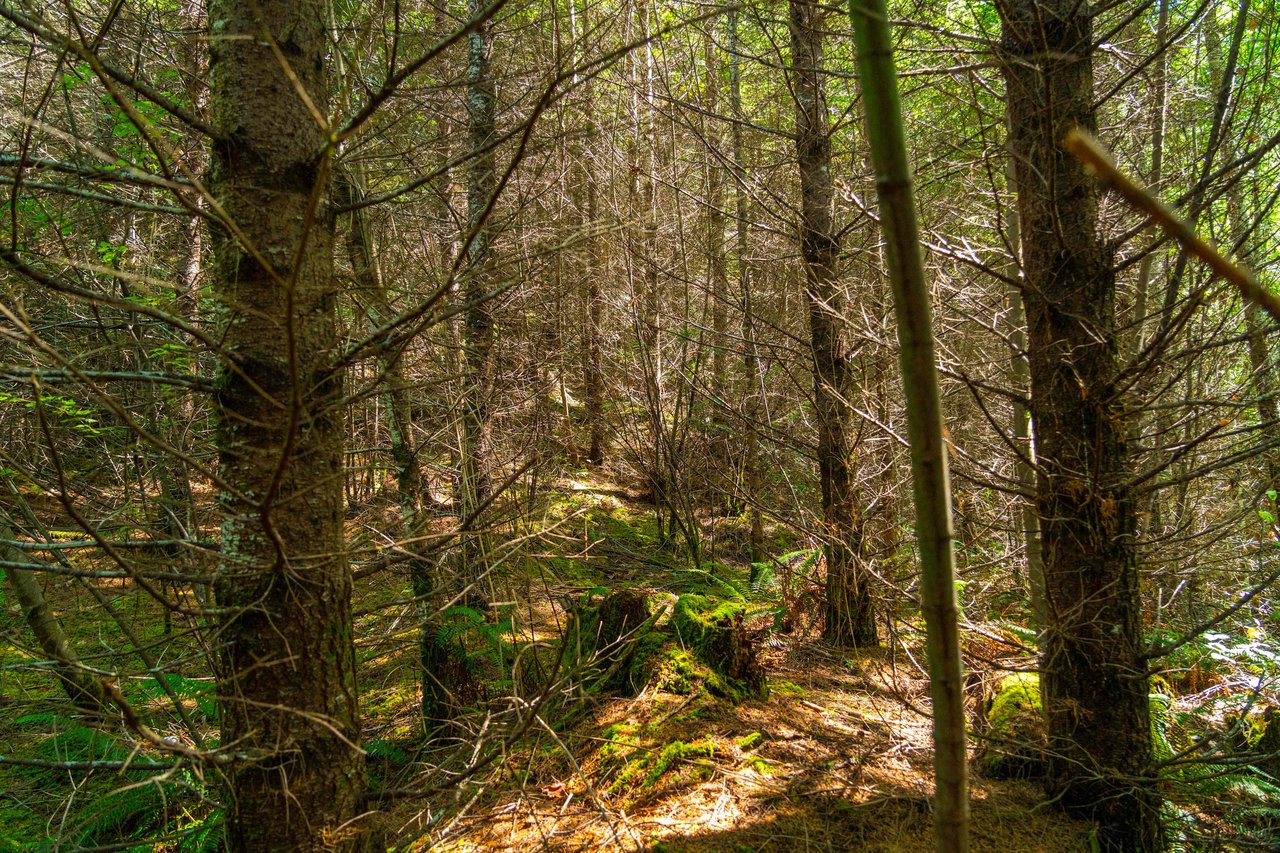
(750, 356)
(850, 618)
(81, 687)
(287, 663)
(1095, 679)
(1024, 442)
(476, 485)
(930, 481)
(597, 255)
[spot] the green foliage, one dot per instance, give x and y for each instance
(1254, 653)
(383, 750)
(201, 835)
(484, 638)
(79, 418)
(71, 741)
(200, 691)
(717, 582)
(126, 814)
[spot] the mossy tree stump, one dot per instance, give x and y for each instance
(713, 631)
(603, 638)
(1016, 739)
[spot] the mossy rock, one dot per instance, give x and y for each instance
(1016, 738)
(713, 632)
(604, 638)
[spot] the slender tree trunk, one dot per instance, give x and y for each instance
(597, 255)
(850, 618)
(476, 485)
(1095, 679)
(593, 322)
(750, 356)
(287, 664)
(81, 686)
(931, 486)
(1262, 365)
(1024, 465)
(1159, 106)
(717, 272)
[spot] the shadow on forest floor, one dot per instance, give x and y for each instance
(838, 758)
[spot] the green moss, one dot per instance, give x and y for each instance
(649, 767)
(760, 765)
(620, 741)
(701, 612)
(750, 741)
(678, 671)
(674, 752)
(1018, 693)
(1016, 733)
(787, 688)
(711, 630)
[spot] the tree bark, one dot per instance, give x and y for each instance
(1024, 441)
(1095, 679)
(750, 355)
(850, 617)
(476, 486)
(930, 481)
(287, 663)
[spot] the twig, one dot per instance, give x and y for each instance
(1088, 150)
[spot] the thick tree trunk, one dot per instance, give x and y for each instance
(1095, 679)
(850, 618)
(287, 662)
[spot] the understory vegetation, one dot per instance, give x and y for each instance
(652, 747)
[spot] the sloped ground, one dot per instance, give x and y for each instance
(837, 758)
(833, 760)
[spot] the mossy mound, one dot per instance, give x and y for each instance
(713, 632)
(641, 767)
(1016, 738)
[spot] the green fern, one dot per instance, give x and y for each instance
(459, 622)
(384, 750)
(202, 692)
(71, 741)
(126, 814)
(202, 836)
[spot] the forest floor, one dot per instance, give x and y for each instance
(837, 758)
